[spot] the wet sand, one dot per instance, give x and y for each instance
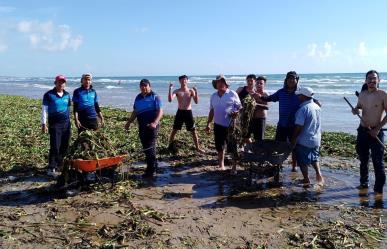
(194, 207)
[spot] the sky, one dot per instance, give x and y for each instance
(201, 37)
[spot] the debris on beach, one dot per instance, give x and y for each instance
(91, 145)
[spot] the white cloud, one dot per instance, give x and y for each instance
(385, 50)
(6, 9)
(362, 49)
(325, 51)
(48, 36)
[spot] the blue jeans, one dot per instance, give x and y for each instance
(364, 144)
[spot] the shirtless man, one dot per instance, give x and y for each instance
(258, 121)
(184, 113)
(373, 105)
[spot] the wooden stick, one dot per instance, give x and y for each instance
(361, 118)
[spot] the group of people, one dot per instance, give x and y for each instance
(56, 109)
(299, 120)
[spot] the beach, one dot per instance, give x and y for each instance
(190, 204)
(120, 92)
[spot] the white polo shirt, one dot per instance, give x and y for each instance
(223, 106)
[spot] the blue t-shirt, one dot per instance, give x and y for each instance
(288, 106)
(58, 107)
(309, 116)
(146, 107)
(85, 101)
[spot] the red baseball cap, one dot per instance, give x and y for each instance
(60, 78)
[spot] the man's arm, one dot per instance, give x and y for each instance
(209, 121)
(296, 133)
(195, 95)
(375, 131)
(76, 119)
(171, 95)
(44, 118)
(159, 114)
(132, 117)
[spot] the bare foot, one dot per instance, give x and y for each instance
(320, 180)
(222, 168)
(306, 182)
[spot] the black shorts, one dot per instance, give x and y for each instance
(221, 141)
(284, 134)
(184, 117)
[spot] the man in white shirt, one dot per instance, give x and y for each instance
(224, 106)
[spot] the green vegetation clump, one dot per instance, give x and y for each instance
(24, 147)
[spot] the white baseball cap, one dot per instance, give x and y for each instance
(306, 91)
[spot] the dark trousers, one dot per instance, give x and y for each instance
(148, 140)
(88, 124)
(284, 134)
(257, 127)
(364, 144)
(59, 142)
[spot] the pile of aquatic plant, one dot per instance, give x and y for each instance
(239, 128)
(92, 145)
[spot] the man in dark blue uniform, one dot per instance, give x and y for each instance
(148, 110)
(56, 103)
(86, 106)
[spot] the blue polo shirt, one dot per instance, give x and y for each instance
(288, 106)
(309, 116)
(58, 106)
(146, 107)
(85, 102)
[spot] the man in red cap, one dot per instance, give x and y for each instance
(56, 103)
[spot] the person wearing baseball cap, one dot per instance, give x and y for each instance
(224, 107)
(147, 109)
(56, 106)
(288, 105)
(307, 134)
(86, 105)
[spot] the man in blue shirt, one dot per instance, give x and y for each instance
(307, 134)
(56, 103)
(148, 110)
(86, 106)
(288, 105)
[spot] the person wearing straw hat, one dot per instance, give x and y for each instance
(224, 106)
(56, 105)
(307, 134)
(373, 104)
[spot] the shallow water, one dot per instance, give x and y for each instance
(206, 187)
(211, 187)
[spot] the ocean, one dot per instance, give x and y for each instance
(120, 92)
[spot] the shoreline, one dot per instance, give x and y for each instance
(190, 204)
